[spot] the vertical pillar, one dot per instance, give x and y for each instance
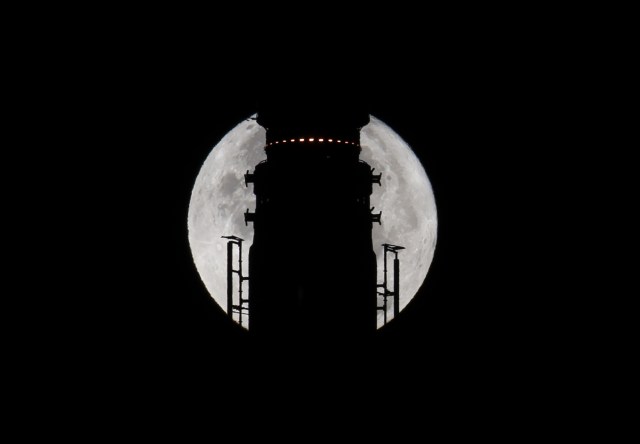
(396, 286)
(240, 282)
(385, 287)
(230, 279)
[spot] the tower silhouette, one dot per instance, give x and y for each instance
(312, 267)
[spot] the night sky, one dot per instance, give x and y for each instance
(478, 121)
(469, 139)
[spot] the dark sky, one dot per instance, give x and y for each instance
(117, 110)
(468, 135)
(480, 121)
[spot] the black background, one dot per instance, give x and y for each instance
(485, 113)
(476, 137)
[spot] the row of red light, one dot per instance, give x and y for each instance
(311, 140)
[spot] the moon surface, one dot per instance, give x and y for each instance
(220, 197)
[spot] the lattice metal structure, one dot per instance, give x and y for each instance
(386, 293)
(242, 307)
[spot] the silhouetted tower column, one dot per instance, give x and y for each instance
(241, 307)
(312, 264)
(395, 293)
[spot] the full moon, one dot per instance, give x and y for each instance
(220, 197)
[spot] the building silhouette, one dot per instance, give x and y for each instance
(312, 266)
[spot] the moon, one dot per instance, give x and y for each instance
(219, 198)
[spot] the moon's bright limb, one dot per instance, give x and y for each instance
(409, 217)
(220, 197)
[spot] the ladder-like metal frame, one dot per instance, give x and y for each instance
(385, 293)
(242, 308)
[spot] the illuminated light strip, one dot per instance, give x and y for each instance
(311, 139)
